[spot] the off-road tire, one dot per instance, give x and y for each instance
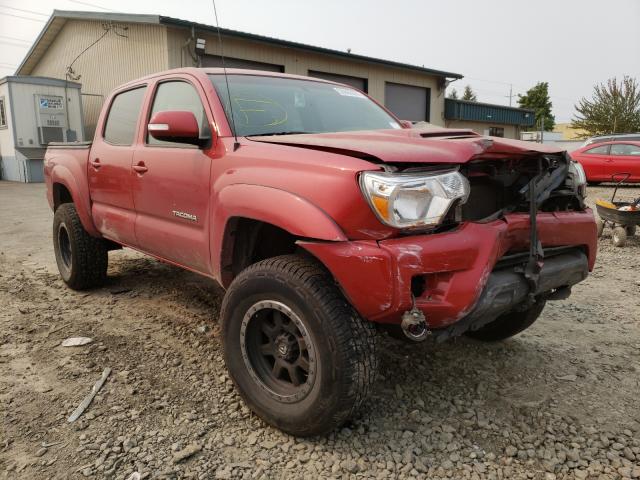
(82, 259)
(619, 236)
(344, 344)
(631, 230)
(509, 324)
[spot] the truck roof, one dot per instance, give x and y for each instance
(201, 72)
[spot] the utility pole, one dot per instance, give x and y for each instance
(542, 129)
(510, 93)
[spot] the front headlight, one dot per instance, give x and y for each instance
(411, 200)
(579, 177)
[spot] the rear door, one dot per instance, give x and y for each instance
(171, 196)
(625, 158)
(109, 169)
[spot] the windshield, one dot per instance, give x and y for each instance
(281, 106)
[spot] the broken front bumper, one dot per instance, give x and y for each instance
(451, 270)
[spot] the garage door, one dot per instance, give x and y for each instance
(357, 82)
(408, 102)
(230, 62)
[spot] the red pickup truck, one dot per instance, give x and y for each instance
(325, 218)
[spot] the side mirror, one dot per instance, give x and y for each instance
(176, 126)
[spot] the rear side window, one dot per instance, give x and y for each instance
(601, 150)
(120, 128)
(625, 149)
(178, 95)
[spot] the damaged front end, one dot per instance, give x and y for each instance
(512, 230)
(519, 279)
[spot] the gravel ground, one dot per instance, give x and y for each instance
(560, 401)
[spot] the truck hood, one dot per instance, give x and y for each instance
(431, 145)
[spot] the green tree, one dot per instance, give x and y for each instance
(537, 99)
(453, 94)
(614, 108)
(469, 94)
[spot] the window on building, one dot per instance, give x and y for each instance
(120, 128)
(178, 95)
(357, 82)
(601, 150)
(3, 113)
(625, 149)
(407, 101)
(496, 131)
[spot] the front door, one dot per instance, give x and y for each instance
(109, 168)
(171, 184)
(595, 161)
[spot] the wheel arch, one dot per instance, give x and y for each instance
(66, 189)
(255, 222)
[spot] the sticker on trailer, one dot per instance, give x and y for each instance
(51, 102)
(348, 92)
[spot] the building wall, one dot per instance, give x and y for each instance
(7, 150)
(299, 62)
(510, 131)
(569, 133)
(112, 61)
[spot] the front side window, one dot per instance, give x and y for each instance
(3, 113)
(120, 127)
(601, 150)
(179, 96)
(625, 149)
(281, 106)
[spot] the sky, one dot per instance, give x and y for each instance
(495, 44)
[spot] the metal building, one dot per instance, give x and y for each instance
(488, 119)
(123, 47)
(33, 112)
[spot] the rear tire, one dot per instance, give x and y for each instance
(82, 259)
(300, 356)
(509, 324)
(619, 236)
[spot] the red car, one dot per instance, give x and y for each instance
(603, 160)
(324, 217)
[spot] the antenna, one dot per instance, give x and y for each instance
(236, 144)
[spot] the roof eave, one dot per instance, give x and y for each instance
(301, 46)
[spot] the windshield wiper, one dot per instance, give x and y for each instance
(270, 134)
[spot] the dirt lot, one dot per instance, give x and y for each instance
(560, 401)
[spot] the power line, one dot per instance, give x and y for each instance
(16, 39)
(25, 18)
(92, 5)
(24, 10)
(14, 44)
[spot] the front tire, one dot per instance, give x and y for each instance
(300, 356)
(509, 324)
(82, 259)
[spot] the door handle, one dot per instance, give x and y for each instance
(95, 163)
(140, 168)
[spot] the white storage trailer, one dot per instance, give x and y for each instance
(33, 112)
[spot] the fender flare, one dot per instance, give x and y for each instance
(80, 195)
(286, 210)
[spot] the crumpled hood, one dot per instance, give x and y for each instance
(431, 145)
